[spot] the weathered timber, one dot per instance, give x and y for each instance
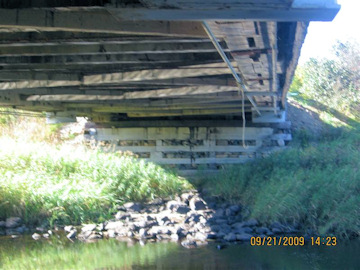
(82, 19)
(104, 46)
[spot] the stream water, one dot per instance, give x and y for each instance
(60, 253)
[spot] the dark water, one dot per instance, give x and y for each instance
(60, 253)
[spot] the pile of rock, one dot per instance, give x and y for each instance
(12, 226)
(188, 219)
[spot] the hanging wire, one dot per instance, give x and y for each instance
(239, 82)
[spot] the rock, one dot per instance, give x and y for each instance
(221, 221)
(251, 222)
(94, 236)
(186, 197)
(71, 234)
(219, 212)
(135, 207)
(40, 229)
(36, 236)
(122, 231)
(113, 225)
(142, 242)
(12, 222)
(243, 237)
(84, 235)
(262, 230)
(174, 237)
(163, 221)
(69, 228)
(142, 233)
(234, 208)
(21, 229)
(11, 231)
(197, 204)
(243, 230)
(201, 236)
(162, 237)
(88, 227)
(159, 230)
(172, 205)
(122, 216)
(276, 225)
(111, 233)
(182, 209)
(229, 212)
(211, 235)
(277, 230)
(231, 237)
(238, 225)
(178, 207)
(189, 244)
(46, 235)
(101, 227)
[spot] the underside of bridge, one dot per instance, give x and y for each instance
(144, 65)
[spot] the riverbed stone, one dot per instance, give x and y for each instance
(88, 227)
(230, 237)
(35, 236)
(84, 235)
(131, 206)
(155, 230)
(111, 233)
(95, 236)
(262, 230)
(122, 216)
(277, 230)
(68, 228)
(72, 234)
(186, 197)
(172, 205)
(251, 222)
(142, 233)
(201, 236)
(221, 221)
(189, 244)
(22, 229)
(113, 225)
(243, 230)
(12, 222)
(197, 204)
(244, 237)
(174, 237)
(219, 213)
(234, 208)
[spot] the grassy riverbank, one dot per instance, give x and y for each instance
(316, 185)
(72, 185)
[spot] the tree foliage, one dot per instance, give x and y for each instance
(335, 81)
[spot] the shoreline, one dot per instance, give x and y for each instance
(187, 219)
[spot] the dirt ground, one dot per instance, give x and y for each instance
(304, 118)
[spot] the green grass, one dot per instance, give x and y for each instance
(67, 185)
(314, 185)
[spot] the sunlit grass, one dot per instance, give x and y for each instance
(72, 185)
(316, 186)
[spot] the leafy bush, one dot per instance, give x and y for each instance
(333, 82)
